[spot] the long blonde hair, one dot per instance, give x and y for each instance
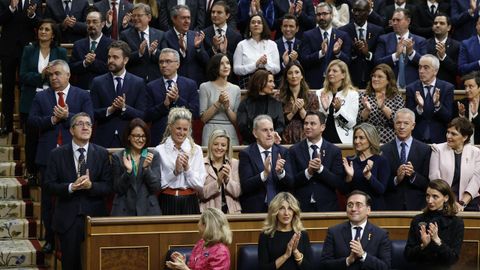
(372, 136)
(217, 229)
(271, 222)
(179, 113)
(346, 82)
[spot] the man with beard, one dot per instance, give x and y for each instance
(89, 55)
(117, 96)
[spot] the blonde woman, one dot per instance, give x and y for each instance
(284, 243)
(222, 183)
(339, 102)
(211, 251)
(181, 165)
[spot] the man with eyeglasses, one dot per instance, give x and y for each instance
(172, 90)
(357, 243)
(118, 97)
(79, 176)
(50, 113)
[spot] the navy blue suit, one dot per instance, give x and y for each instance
(254, 190)
(408, 194)
(387, 45)
(232, 36)
(145, 66)
(281, 51)
(436, 121)
(109, 129)
(315, 67)
(317, 194)
(388, 11)
(462, 22)
(103, 7)
(78, 9)
(423, 18)
(376, 16)
(469, 56)
(360, 66)
(156, 111)
(83, 76)
(197, 14)
(71, 208)
(336, 248)
(196, 59)
(448, 66)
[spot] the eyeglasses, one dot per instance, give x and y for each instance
(82, 124)
(321, 14)
(358, 205)
(138, 137)
(168, 62)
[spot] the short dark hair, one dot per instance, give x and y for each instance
(442, 14)
(257, 82)
(320, 116)
(122, 45)
(405, 12)
(289, 17)
(462, 125)
(223, 4)
(475, 75)
(213, 67)
(73, 120)
(136, 122)
(368, 199)
(91, 9)
(55, 31)
(265, 35)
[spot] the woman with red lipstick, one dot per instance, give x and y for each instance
(284, 243)
(297, 99)
(457, 162)
(435, 236)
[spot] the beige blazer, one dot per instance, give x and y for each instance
(442, 166)
(211, 195)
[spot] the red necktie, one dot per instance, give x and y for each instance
(114, 34)
(61, 103)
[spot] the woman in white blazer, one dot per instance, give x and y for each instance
(458, 163)
(339, 102)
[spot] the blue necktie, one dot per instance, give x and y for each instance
(401, 70)
(270, 186)
(170, 83)
(67, 7)
(428, 110)
(358, 232)
(403, 153)
(314, 153)
(118, 89)
(289, 46)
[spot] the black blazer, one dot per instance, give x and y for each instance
(197, 14)
(306, 20)
(103, 7)
(407, 195)
(475, 121)
(232, 22)
(78, 9)
(422, 20)
(449, 66)
(281, 51)
(388, 13)
(232, 36)
(61, 172)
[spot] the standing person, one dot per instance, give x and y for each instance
(464, 14)
(117, 13)
(468, 106)
(380, 102)
(79, 176)
(436, 235)
(367, 171)
(457, 162)
(219, 99)
(211, 251)
(222, 184)
(425, 13)
(469, 56)
(288, 45)
(34, 77)
(181, 164)
(136, 173)
(70, 17)
(284, 242)
(317, 167)
(339, 102)
(198, 14)
(302, 10)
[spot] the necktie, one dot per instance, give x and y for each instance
(428, 110)
(61, 103)
(270, 187)
(82, 164)
(114, 34)
(170, 83)
(181, 43)
(67, 7)
(432, 9)
(314, 153)
(401, 70)
(118, 89)
(93, 46)
(358, 232)
(360, 34)
(289, 46)
(142, 36)
(403, 153)
(325, 36)
(219, 31)
(20, 6)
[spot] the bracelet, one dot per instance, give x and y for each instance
(299, 259)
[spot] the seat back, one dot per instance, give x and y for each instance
(398, 260)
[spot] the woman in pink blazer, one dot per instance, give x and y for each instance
(458, 163)
(222, 183)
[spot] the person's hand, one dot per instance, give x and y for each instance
(109, 16)
(459, 207)
(409, 169)
(267, 165)
(127, 162)
(473, 4)
(347, 165)
(400, 173)
(293, 55)
(153, 47)
(324, 100)
(436, 97)
(82, 182)
(276, 138)
(441, 50)
(292, 245)
(419, 99)
(366, 104)
(286, 57)
(224, 173)
(126, 19)
(408, 43)
(400, 48)
(324, 47)
(361, 46)
(314, 165)
(280, 164)
(61, 112)
(254, 7)
(142, 47)
(89, 58)
(351, 258)
(172, 95)
(299, 103)
(179, 164)
(185, 159)
(461, 109)
(356, 248)
(299, 7)
(31, 10)
(224, 99)
(262, 60)
(291, 8)
(433, 232)
(337, 46)
(148, 160)
(199, 37)
(424, 235)
(337, 103)
(367, 170)
(177, 262)
(120, 102)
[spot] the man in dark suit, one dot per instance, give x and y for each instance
(357, 243)
(410, 161)
(193, 56)
(18, 18)
(145, 43)
(464, 14)
(363, 36)
(197, 14)
(468, 106)
(117, 97)
(445, 48)
(232, 11)
(172, 90)
(70, 16)
(401, 50)
(264, 168)
(431, 99)
(288, 45)
(117, 14)
(317, 167)
(304, 11)
(322, 45)
(469, 56)
(389, 9)
(425, 14)
(89, 55)
(50, 113)
(79, 176)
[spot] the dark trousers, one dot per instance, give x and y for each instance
(179, 205)
(70, 244)
(9, 67)
(31, 142)
(46, 208)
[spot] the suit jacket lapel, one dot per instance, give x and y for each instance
(91, 161)
(366, 236)
(347, 234)
(257, 156)
(70, 163)
(304, 151)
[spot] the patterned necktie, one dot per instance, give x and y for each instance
(325, 36)
(358, 232)
(315, 152)
(93, 47)
(403, 153)
(181, 43)
(219, 31)
(114, 34)
(82, 164)
(170, 84)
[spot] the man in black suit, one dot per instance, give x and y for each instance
(317, 167)
(390, 9)
(79, 175)
(445, 48)
(288, 45)
(232, 11)
(264, 168)
(303, 10)
(18, 18)
(117, 14)
(410, 161)
(197, 14)
(70, 16)
(89, 55)
(364, 37)
(425, 14)
(357, 243)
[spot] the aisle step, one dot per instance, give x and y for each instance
(21, 253)
(17, 228)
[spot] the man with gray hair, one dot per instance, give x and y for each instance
(264, 168)
(50, 113)
(169, 9)
(409, 159)
(431, 99)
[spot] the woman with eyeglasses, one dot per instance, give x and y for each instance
(435, 237)
(136, 174)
